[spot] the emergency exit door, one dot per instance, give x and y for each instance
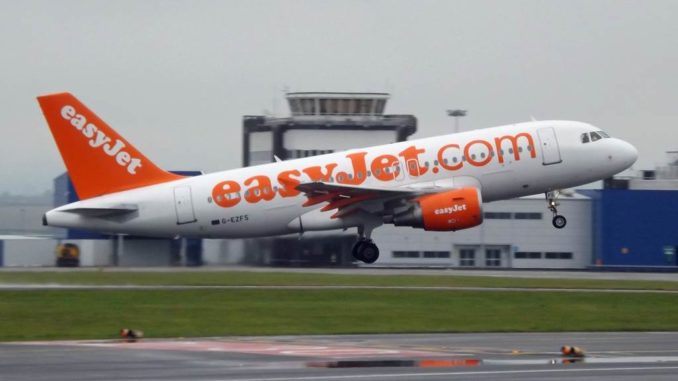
(183, 204)
(550, 151)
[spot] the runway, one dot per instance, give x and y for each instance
(496, 356)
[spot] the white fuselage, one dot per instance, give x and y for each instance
(503, 162)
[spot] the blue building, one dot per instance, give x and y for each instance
(635, 228)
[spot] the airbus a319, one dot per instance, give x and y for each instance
(437, 184)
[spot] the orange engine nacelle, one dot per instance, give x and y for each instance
(446, 211)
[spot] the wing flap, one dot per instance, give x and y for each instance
(345, 199)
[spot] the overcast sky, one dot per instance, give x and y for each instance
(175, 77)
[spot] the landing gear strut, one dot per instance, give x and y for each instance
(558, 221)
(365, 250)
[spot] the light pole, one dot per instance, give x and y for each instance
(456, 114)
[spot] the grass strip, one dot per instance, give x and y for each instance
(38, 315)
(228, 278)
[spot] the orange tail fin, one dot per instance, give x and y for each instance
(98, 159)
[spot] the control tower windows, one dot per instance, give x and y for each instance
(295, 106)
(365, 106)
(299, 153)
(308, 106)
(381, 104)
(342, 107)
(357, 104)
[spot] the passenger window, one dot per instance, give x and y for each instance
(584, 137)
(595, 136)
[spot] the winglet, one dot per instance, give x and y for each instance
(98, 159)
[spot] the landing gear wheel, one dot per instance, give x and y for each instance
(357, 251)
(559, 221)
(366, 251)
(369, 252)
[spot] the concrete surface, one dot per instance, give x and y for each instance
(614, 356)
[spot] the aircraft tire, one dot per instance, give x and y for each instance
(369, 252)
(559, 221)
(357, 251)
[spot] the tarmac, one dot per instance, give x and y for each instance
(614, 356)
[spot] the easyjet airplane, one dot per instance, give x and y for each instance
(437, 183)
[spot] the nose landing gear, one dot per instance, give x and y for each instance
(558, 221)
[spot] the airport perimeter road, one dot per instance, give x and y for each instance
(528, 356)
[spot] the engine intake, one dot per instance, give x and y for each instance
(446, 211)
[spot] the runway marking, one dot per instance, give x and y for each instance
(438, 374)
(261, 348)
(67, 287)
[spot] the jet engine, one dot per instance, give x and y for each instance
(446, 211)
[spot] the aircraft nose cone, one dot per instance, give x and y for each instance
(631, 153)
(627, 153)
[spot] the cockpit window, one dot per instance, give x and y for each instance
(595, 136)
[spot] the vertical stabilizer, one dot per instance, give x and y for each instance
(99, 161)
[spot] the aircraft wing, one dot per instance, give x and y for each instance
(347, 198)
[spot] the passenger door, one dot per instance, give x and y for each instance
(183, 204)
(550, 151)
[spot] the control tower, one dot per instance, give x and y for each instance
(318, 123)
(322, 122)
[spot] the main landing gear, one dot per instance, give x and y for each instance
(365, 250)
(558, 221)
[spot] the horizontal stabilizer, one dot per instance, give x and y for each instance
(104, 211)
